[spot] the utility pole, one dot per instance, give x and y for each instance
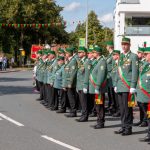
(86, 39)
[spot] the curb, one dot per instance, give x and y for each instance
(17, 70)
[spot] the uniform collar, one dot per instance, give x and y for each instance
(126, 54)
(70, 58)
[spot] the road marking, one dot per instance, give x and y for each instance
(60, 143)
(11, 120)
(1, 119)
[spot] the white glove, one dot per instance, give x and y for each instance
(64, 89)
(96, 91)
(77, 91)
(115, 89)
(132, 90)
(84, 90)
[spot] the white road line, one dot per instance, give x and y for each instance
(60, 143)
(11, 120)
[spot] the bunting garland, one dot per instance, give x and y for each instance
(47, 25)
(39, 25)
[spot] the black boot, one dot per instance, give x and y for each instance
(137, 124)
(61, 111)
(71, 115)
(127, 132)
(145, 139)
(120, 131)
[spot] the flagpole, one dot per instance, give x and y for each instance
(86, 39)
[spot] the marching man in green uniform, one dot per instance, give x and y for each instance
(111, 93)
(125, 86)
(69, 80)
(91, 97)
(58, 90)
(36, 69)
(116, 56)
(50, 89)
(143, 90)
(97, 84)
(142, 105)
(80, 83)
(41, 72)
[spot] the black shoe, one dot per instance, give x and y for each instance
(137, 124)
(92, 115)
(145, 139)
(143, 124)
(82, 119)
(120, 131)
(117, 114)
(71, 115)
(126, 133)
(54, 109)
(42, 102)
(39, 99)
(61, 111)
(48, 106)
(98, 126)
(45, 104)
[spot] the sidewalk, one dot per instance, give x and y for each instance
(15, 70)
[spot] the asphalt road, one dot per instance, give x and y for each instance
(27, 125)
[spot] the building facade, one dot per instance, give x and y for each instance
(132, 19)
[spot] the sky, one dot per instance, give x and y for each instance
(75, 11)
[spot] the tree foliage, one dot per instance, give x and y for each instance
(30, 12)
(97, 34)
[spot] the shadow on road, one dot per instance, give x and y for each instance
(140, 132)
(4, 79)
(10, 90)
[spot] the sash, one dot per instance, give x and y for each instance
(148, 111)
(131, 97)
(142, 86)
(123, 78)
(92, 79)
(99, 100)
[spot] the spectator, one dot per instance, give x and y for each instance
(4, 64)
(12, 61)
(1, 61)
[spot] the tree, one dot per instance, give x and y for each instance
(97, 34)
(30, 12)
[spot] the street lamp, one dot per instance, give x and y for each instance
(87, 25)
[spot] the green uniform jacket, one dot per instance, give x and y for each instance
(42, 71)
(129, 66)
(109, 61)
(88, 65)
(53, 73)
(69, 74)
(114, 71)
(76, 56)
(58, 77)
(81, 74)
(49, 70)
(99, 74)
(40, 62)
(144, 78)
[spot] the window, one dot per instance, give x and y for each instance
(138, 21)
(130, 1)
